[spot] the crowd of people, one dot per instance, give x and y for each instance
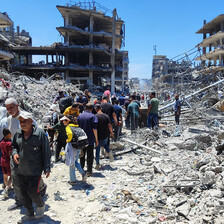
(83, 124)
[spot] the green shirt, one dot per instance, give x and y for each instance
(133, 109)
(154, 105)
(62, 136)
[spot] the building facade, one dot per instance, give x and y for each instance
(91, 52)
(213, 41)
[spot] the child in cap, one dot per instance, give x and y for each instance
(6, 149)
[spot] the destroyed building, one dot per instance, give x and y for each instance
(213, 40)
(10, 39)
(93, 37)
(5, 55)
(165, 68)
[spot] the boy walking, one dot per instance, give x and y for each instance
(6, 149)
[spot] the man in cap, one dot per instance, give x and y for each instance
(13, 125)
(31, 153)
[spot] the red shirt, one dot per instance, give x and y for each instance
(6, 149)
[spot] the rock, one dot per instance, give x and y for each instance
(218, 169)
(208, 178)
(204, 138)
(215, 193)
(184, 209)
(189, 145)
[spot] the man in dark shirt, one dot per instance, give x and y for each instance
(31, 152)
(104, 131)
(108, 109)
(61, 139)
(117, 128)
(177, 108)
(88, 122)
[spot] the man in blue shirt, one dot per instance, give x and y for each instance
(177, 108)
(88, 122)
(118, 126)
(121, 99)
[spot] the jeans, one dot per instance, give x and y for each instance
(89, 151)
(117, 131)
(134, 122)
(29, 186)
(78, 166)
(177, 118)
(152, 120)
(103, 143)
(59, 146)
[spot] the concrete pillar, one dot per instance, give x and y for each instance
(66, 20)
(220, 59)
(12, 33)
(57, 60)
(66, 59)
(19, 59)
(113, 51)
(17, 30)
(204, 37)
(66, 38)
(47, 59)
(91, 24)
(52, 58)
(222, 26)
(221, 43)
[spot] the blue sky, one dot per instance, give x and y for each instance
(170, 25)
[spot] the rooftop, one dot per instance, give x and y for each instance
(212, 24)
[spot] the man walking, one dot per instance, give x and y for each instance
(31, 153)
(177, 108)
(88, 122)
(152, 113)
(13, 125)
(133, 111)
(104, 131)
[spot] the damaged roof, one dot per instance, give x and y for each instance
(212, 24)
(5, 21)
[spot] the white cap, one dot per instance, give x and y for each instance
(25, 115)
(65, 118)
(53, 107)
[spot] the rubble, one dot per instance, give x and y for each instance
(169, 175)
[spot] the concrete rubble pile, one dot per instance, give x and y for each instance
(184, 184)
(35, 96)
(171, 175)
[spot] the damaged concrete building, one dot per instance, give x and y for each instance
(5, 55)
(93, 37)
(212, 45)
(167, 69)
(10, 39)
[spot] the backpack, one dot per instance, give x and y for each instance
(79, 139)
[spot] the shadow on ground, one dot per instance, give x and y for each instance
(80, 185)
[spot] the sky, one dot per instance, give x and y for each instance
(170, 25)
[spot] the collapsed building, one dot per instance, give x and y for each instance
(212, 45)
(165, 68)
(5, 55)
(203, 63)
(91, 52)
(10, 39)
